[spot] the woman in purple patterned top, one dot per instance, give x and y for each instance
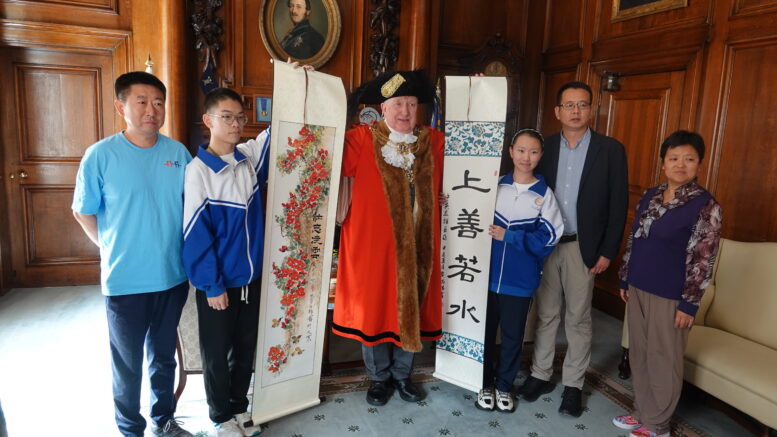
(666, 267)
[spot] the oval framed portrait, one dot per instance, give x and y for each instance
(307, 31)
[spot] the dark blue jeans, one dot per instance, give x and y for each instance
(510, 313)
(135, 322)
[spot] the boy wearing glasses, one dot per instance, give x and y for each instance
(587, 172)
(222, 255)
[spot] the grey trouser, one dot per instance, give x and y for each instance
(656, 350)
(385, 361)
(565, 281)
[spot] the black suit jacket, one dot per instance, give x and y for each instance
(603, 197)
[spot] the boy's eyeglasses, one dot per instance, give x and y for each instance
(229, 119)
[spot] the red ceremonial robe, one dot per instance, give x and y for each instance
(388, 279)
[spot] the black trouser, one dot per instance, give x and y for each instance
(510, 313)
(227, 347)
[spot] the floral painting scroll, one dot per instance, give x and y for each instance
(305, 150)
(475, 110)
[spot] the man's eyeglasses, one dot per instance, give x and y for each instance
(580, 105)
(228, 119)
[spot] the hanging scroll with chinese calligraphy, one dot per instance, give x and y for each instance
(308, 126)
(474, 134)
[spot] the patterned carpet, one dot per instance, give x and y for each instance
(449, 411)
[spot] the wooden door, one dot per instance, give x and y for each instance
(57, 103)
(645, 110)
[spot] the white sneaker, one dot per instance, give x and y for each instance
(485, 399)
(246, 424)
(504, 401)
(230, 428)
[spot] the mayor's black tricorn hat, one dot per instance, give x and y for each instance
(392, 84)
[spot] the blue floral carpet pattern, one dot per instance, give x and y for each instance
(449, 411)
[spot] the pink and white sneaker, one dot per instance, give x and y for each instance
(644, 432)
(626, 422)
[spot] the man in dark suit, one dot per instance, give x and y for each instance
(302, 41)
(587, 172)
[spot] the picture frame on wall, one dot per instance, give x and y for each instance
(628, 9)
(307, 31)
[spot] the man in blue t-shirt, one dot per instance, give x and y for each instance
(129, 201)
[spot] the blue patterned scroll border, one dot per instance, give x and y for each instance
(474, 138)
(466, 347)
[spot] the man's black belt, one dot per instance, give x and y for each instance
(567, 238)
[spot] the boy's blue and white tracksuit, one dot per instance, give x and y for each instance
(533, 225)
(222, 253)
(224, 217)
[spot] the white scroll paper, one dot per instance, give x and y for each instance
(475, 110)
(307, 133)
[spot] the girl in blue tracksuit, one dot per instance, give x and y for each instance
(527, 225)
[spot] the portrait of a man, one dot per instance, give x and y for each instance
(302, 40)
(305, 30)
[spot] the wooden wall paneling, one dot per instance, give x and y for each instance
(564, 24)
(177, 50)
(109, 14)
(158, 30)
(748, 7)
(640, 115)
(653, 41)
(253, 69)
(415, 32)
(467, 26)
(752, 26)
(743, 175)
(551, 81)
(529, 112)
(697, 12)
(354, 45)
(434, 38)
(563, 60)
(688, 59)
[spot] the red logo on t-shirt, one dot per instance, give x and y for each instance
(172, 164)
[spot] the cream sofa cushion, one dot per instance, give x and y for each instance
(735, 359)
(745, 300)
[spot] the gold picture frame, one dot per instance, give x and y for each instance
(639, 8)
(310, 41)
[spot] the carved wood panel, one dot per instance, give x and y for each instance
(745, 180)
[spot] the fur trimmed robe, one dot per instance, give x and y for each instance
(388, 281)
